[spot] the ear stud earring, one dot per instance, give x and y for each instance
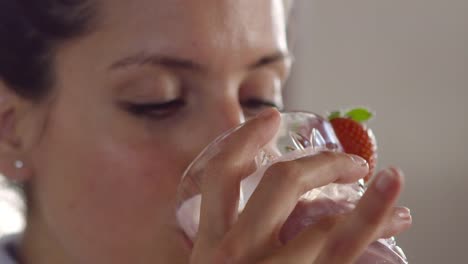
(19, 164)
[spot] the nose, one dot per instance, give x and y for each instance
(223, 116)
(213, 120)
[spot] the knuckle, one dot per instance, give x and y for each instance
(231, 158)
(209, 171)
(224, 158)
(218, 163)
(286, 173)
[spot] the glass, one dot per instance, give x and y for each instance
(300, 134)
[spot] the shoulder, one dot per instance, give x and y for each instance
(8, 243)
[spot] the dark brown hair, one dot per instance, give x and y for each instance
(30, 31)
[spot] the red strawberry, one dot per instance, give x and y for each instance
(355, 137)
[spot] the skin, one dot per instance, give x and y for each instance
(103, 179)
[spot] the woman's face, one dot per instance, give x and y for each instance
(134, 102)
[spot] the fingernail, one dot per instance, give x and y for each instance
(358, 160)
(403, 213)
(266, 114)
(384, 180)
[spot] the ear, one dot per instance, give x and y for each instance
(13, 157)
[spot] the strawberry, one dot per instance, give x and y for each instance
(355, 137)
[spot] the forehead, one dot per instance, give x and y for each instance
(197, 29)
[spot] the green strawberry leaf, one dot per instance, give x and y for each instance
(334, 115)
(359, 114)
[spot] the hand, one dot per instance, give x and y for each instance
(254, 235)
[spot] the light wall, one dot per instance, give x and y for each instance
(408, 61)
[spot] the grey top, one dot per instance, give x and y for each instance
(8, 245)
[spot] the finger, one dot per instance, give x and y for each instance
(349, 239)
(311, 239)
(311, 213)
(399, 221)
(259, 225)
(306, 246)
(219, 177)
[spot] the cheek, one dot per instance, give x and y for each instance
(91, 183)
(136, 175)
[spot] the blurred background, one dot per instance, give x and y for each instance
(407, 60)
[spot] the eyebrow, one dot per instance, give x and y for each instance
(145, 59)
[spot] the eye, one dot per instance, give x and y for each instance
(155, 110)
(254, 106)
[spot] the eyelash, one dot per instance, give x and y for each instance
(155, 110)
(166, 109)
(258, 103)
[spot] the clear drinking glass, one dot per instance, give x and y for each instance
(300, 134)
